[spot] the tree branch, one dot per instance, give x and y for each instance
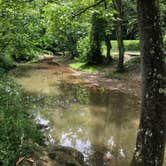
(87, 8)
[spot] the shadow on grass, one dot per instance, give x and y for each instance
(133, 65)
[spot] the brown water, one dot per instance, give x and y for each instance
(100, 123)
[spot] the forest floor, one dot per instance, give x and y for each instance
(103, 76)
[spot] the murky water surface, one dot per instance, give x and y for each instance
(100, 123)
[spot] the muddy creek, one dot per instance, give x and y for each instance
(100, 123)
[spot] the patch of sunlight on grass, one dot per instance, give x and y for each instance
(130, 45)
(81, 66)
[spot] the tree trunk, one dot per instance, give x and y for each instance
(118, 6)
(72, 43)
(108, 58)
(151, 135)
(94, 54)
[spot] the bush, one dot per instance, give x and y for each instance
(6, 62)
(83, 48)
(19, 134)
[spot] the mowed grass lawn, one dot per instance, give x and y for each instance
(130, 45)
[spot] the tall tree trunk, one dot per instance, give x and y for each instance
(72, 42)
(107, 39)
(118, 6)
(108, 46)
(151, 135)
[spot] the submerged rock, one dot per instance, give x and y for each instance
(66, 156)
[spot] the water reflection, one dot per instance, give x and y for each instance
(97, 122)
(100, 123)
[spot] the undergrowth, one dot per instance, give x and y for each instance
(19, 136)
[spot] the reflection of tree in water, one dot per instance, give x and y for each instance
(72, 128)
(110, 108)
(74, 93)
(109, 123)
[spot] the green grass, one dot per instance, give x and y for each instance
(81, 66)
(130, 45)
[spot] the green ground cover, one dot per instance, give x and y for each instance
(19, 136)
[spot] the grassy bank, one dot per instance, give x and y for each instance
(81, 66)
(20, 136)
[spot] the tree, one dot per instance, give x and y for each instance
(101, 31)
(118, 7)
(20, 29)
(107, 36)
(151, 135)
(130, 19)
(96, 36)
(62, 31)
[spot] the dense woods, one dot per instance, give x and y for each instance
(30, 28)
(97, 54)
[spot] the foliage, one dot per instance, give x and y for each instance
(94, 55)
(19, 134)
(30, 28)
(83, 48)
(20, 29)
(163, 15)
(63, 31)
(6, 62)
(130, 19)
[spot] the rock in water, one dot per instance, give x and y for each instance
(66, 156)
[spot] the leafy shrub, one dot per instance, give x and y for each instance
(6, 62)
(19, 134)
(83, 48)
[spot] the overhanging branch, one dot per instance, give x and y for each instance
(87, 8)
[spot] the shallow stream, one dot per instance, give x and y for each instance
(102, 124)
